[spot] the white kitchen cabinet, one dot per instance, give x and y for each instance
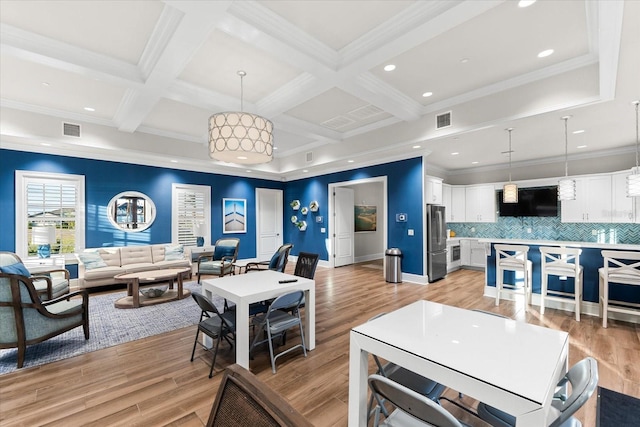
(592, 203)
(446, 201)
(480, 203)
(623, 209)
(433, 193)
(465, 252)
(458, 204)
(478, 256)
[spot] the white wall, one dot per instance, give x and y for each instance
(369, 245)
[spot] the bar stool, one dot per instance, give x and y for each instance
(618, 268)
(513, 258)
(558, 261)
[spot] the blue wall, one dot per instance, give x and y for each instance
(404, 195)
(103, 180)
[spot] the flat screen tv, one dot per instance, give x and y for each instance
(539, 201)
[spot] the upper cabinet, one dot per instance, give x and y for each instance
(592, 203)
(623, 208)
(453, 199)
(433, 190)
(480, 203)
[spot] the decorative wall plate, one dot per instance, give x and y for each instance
(304, 210)
(302, 225)
(295, 205)
(314, 206)
(294, 219)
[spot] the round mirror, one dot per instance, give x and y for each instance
(131, 211)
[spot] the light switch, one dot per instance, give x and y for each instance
(323, 230)
(410, 232)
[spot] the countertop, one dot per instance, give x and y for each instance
(618, 246)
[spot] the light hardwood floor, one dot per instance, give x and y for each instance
(152, 382)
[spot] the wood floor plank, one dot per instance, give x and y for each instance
(152, 382)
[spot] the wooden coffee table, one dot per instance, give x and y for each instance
(145, 278)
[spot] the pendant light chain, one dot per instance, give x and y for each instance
(636, 102)
(510, 129)
(242, 74)
(566, 148)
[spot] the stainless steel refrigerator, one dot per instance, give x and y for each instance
(436, 243)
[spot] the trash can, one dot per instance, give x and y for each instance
(392, 270)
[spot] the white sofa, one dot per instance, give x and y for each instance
(98, 266)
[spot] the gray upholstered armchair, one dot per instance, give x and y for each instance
(26, 320)
(49, 285)
(225, 253)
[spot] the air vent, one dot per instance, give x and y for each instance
(443, 120)
(70, 129)
(309, 156)
(338, 122)
(365, 112)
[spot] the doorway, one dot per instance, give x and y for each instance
(367, 244)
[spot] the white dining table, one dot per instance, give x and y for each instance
(245, 289)
(511, 365)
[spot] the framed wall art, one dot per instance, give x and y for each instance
(366, 218)
(234, 216)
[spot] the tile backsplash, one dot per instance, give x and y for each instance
(549, 228)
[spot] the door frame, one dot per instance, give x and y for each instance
(280, 194)
(331, 209)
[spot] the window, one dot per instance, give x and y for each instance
(49, 200)
(191, 210)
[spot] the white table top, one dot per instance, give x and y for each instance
(520, 358)
(255, 286)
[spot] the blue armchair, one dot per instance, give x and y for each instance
(49, 285)
(225, 253)
(25, 319)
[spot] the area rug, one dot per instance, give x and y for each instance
(617, 409)
(109, 326)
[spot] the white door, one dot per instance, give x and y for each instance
(268, 222)
(343, 243)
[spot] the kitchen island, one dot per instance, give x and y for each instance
(591, 260)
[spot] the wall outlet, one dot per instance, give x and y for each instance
(473, 229)
(410, 232)
(529, 230)
(594, 232)
(323, 230)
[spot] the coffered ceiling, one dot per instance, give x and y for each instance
(142, 78)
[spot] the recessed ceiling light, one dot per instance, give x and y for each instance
(275, 148)
(242, 158)
(427, 94)
(389, 67)
(248, 170)
(526, 3)
(455, 153)
(305, 170)
(578, 131)
(45, 84)
(474, 163)
(46, 144)
(417, 146)
(349, 161)
(581, 146)
(545, 53)
(464, 60)
(174, 161)
(89, 109)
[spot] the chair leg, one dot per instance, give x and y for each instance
(498, 284)
(578, 295)
(195, 343)
(605, 302)
(22, 349)
(273, 359)
(215, 354)
(543, 290)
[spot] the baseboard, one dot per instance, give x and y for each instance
(367, 258)
(589, 308)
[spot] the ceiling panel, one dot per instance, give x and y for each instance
(215, 66)
(39, 85)
(470, 56)
(348, 21)
(174, 116)
(119, 29)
